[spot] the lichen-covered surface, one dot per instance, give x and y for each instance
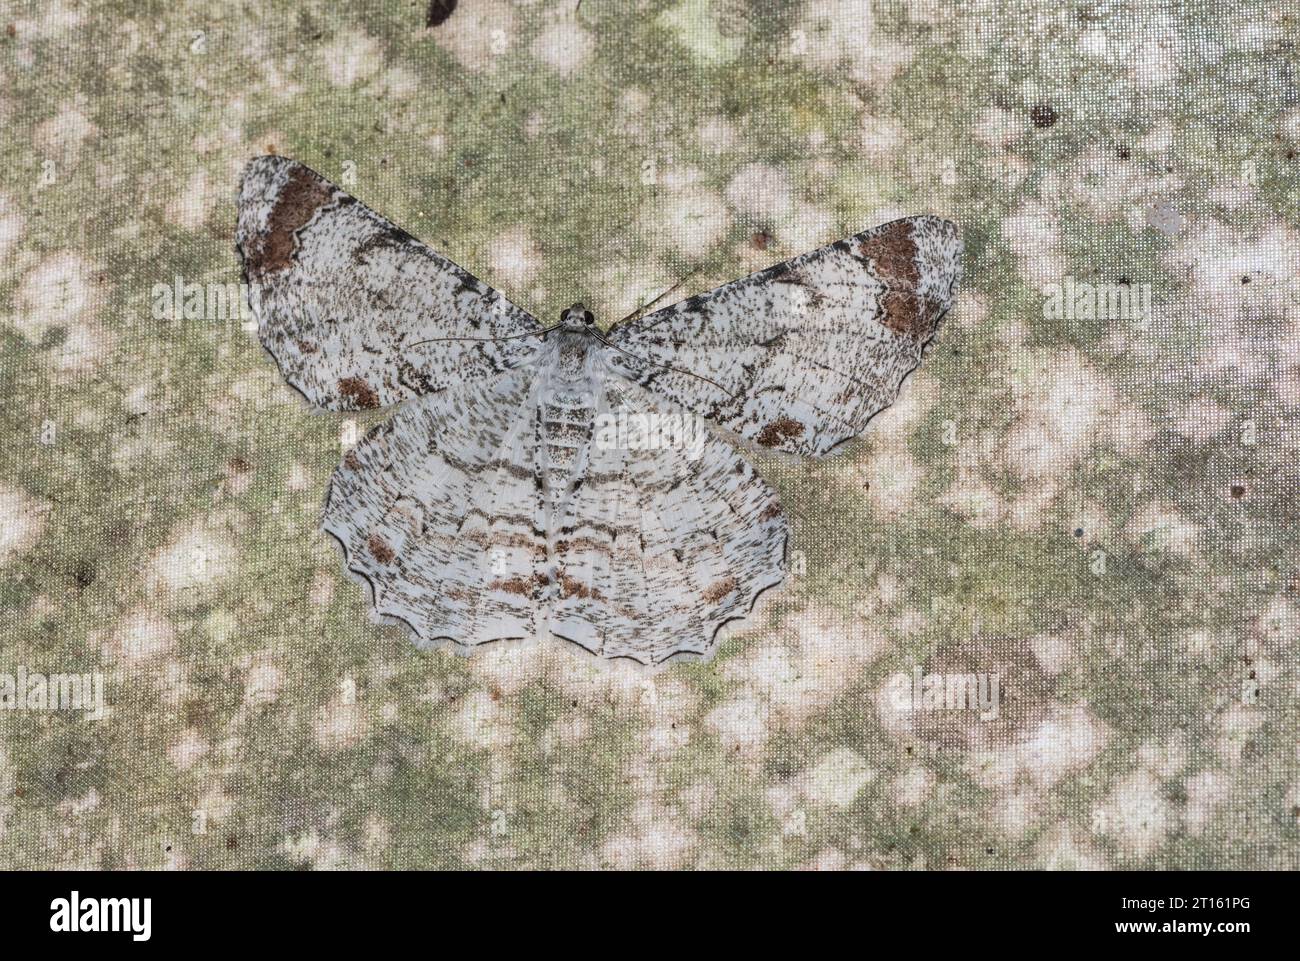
(1095, 504)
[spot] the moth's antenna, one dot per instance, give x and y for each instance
(526, 333)
(647, 306)
(689, 373)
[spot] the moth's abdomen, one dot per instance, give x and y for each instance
(566, 419)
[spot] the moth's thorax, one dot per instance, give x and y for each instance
(572, 354)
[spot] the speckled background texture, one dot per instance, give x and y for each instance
(1097, 505)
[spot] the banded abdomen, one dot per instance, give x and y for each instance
(565, 421)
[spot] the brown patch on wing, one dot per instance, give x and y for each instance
(572, 587)
(771, 510)
(893, 256)
(487, 541)
(380, 550)
(779, 431)
(523, 586)
(716, 591)
(300, 198)
(358, 393)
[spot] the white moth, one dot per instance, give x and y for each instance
(508, 497)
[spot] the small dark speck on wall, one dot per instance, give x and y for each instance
(1042, 115)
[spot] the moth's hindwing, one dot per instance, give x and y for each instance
(670, 536)
(437, 510)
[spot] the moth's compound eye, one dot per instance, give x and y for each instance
(588, 318)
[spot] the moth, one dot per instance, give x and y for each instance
(501, 501)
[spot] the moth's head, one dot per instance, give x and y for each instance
(577, 317)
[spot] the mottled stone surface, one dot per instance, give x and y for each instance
(1087, 491)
